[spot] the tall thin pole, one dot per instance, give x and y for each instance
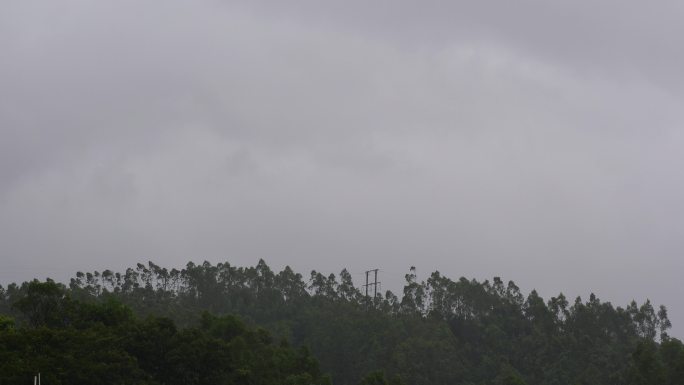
(375, 285)
(366, 285)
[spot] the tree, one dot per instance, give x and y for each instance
(646, 368)
(44, 304)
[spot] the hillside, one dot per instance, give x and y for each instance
(440, 331)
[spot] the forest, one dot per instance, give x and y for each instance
(222, 324)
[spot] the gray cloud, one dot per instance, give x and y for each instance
(540, 141)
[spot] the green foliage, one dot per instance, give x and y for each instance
(379, 378)
(509, 376)
(109, 346)
(43, 304)
(163, 326)
(653, 363)
(6, 323)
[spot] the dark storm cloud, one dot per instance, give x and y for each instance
(537, 140)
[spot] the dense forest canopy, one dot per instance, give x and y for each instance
(208, 324)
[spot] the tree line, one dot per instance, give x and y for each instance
(102, 342)
(437, 331)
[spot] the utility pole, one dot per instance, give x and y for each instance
(375, 282)
(375, 285)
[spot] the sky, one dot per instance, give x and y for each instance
(537, 140)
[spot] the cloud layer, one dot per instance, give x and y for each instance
(536, 140)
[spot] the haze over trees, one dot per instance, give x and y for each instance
(224, 324)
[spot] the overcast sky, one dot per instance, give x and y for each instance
(540, 141)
